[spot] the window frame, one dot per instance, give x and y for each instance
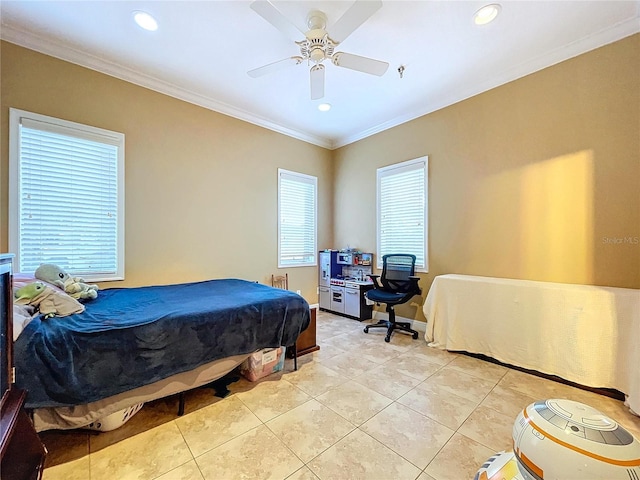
(413, 164)
(308, 179)
(69, 128)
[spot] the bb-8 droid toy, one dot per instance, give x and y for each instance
(565, 440)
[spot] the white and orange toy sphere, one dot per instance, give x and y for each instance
(566, 440)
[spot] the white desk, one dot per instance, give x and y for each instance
(585, 334)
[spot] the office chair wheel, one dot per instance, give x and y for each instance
(415, 335)
(387, 338)
(366, 329)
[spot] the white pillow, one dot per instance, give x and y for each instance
(22, 315)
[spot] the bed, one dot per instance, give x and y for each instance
(132, 345)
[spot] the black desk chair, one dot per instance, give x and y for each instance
(397, 285)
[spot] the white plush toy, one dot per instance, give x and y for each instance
(74, 286)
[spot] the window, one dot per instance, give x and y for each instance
(297, 232)
(66, 196)
(402, 211)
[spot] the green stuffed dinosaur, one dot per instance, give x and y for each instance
(74, 286)
(47, 300)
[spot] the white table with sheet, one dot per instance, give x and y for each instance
(586, 334)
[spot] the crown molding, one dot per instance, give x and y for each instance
(70, 54)
(566, 52)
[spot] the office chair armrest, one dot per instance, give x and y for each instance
(374, 279)
(414, 283)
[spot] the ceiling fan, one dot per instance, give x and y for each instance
(318, 44)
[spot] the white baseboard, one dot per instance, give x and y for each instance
(415, 324)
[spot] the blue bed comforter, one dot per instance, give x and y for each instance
(129, 337)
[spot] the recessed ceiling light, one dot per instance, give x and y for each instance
(146, 21)
(486, 14)
(324, 107)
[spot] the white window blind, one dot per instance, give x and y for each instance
(66, 196)
(297, 212)
(402, 211)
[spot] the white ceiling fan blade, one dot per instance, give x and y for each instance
(317, 81)
(357, 14)
(272, 15)
(275, 66)
(361, 64)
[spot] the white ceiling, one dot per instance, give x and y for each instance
(203, 49)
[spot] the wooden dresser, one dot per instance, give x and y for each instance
(306, 342)
(21, 451)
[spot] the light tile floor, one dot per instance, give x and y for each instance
(358, 408)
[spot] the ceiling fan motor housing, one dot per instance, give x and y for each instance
(316, 20)
(317, 46)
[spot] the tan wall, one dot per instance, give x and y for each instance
(201, 187)
(537, 179)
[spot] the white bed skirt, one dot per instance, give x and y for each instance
(586, 334)
(64, 418)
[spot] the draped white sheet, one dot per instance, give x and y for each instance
(583, 333)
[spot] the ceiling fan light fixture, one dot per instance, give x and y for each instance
(486, 14)
(145, 20)
(324, 107)
(316, 54)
